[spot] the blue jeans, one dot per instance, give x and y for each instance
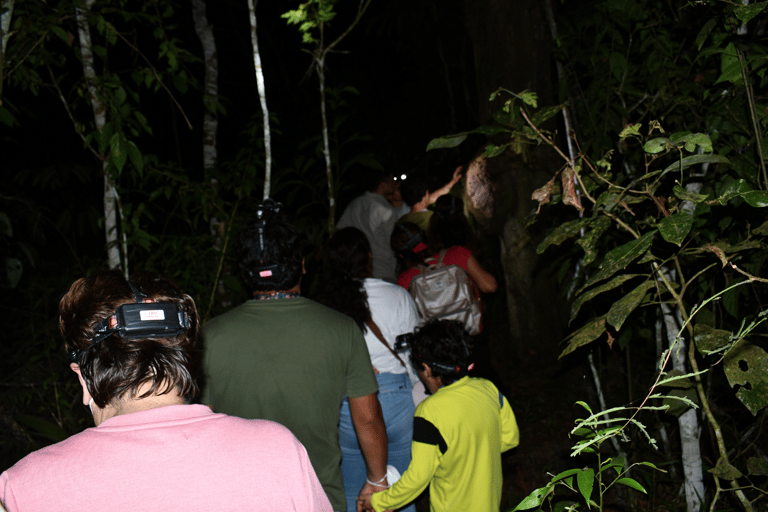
(397, 405)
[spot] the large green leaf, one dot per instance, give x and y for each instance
(710, 340)
(676, 227)
(756, 198)
(747, 12)
(684, 195)
(586, 480)
(746, 366)
(589, 241)
(449, 141)
(688, 161)
(725, 470)
(561, 233)
(735, 188)
(730, 68)
(118, 151)
(584, 336)
(620, 257)
(535, 499)
(591, 294)
(756, 466)
(629, 482)
(622, 308)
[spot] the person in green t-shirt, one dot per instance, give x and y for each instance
(285, 358)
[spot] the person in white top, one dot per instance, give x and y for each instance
(383, 311)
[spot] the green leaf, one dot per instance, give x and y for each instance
(449, 141)
(622, 308)
(735, 188)
(584, 336)
(586, 480)
(676, 379)
(684, 195)
(620, 257)
(535, 499)
(61, 34)
(545, 114)
(729, 66)
(730, 301)
(565, 474)
(118, 153)
(676, 227)
(631, 130)
(561, 233)
(746, 366)
(629, 482)
(589, 241)
(725, 470)
(679, 401)
(747, 12)
(710, 340)
(704, 32)
(529, 98)
(695, 160)
(756, 198)
(762, 229)
(6, 117)
(135, 155)
(656, 145)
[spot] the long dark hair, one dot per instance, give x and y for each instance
(448, 226)
(349, 259)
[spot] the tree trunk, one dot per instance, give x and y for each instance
(99, 115)
(5, 26)
(262, 99)
(211, 88)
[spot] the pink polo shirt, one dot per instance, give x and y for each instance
(174, 458)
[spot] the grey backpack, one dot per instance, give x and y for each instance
(445, 292)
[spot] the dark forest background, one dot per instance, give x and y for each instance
(646, 232)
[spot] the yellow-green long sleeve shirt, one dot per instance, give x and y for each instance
(459, 434)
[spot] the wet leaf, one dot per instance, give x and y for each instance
(756, 198)
(746, 366)
(629, 482)
(676, 227)
(562, 233)
(586, 335)
(656, 145)
(684, 195)
(725, 470)
(623, 307)
(589, 241)
(620, 257)
(709, 340)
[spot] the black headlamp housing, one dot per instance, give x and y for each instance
(137, 321)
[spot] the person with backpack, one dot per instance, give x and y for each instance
(459, 432)
(382, 311)
(410, 246)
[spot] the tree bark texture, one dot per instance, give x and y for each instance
(5, 25)
(99, 115)
(211, 88)
(262, 99)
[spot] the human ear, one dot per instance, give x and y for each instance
(86, 394)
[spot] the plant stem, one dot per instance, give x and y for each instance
(753, 115)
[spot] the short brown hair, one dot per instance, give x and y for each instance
(116, 367)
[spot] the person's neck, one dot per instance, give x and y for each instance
(131, 405)
(278, 294)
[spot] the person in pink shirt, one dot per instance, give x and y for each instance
(134, 347)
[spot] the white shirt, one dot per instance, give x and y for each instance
(372, 214)
(393, 310)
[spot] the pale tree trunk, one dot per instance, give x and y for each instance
(99, 113)
(5, 25)
(262, 99)
(211, 88)
(689, 420)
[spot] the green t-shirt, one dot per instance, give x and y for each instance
(291, 361)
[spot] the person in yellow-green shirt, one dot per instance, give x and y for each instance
(459, 432)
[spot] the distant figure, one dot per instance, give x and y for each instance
(383, 311)
(373, 214)
(134, 347)
(286, 358)
(459, 433)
